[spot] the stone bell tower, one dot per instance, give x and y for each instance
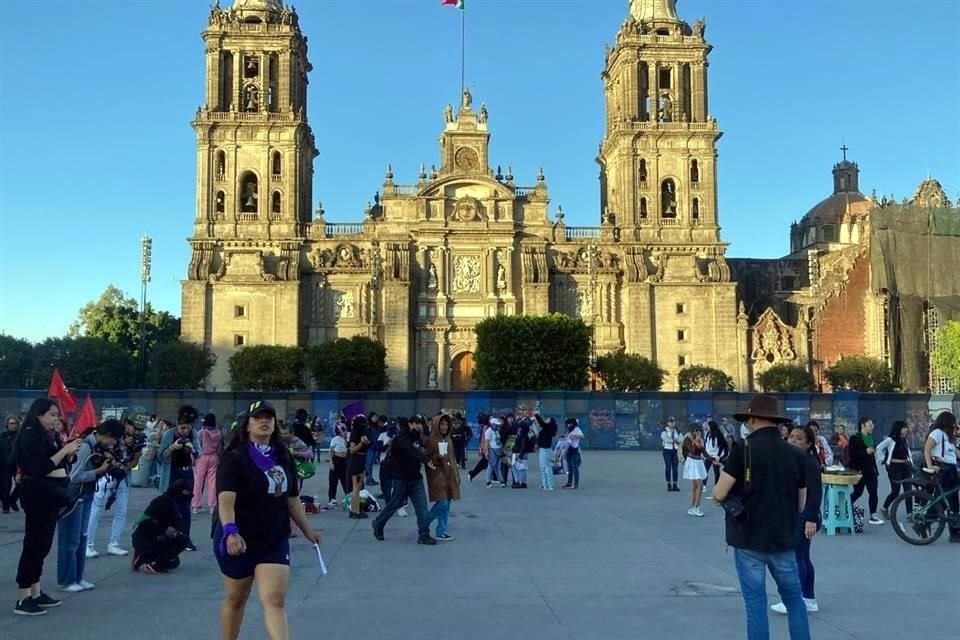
(255, 153)
(658, 191)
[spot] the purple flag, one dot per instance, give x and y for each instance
(353, 409)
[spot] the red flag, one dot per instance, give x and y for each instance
(86, 419)
(59, 392)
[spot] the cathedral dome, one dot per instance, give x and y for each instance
(831, 210)
(258, 5)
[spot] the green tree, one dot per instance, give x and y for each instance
(178, 365)
(532, 353)
(860, 373)
(946, 355)
(348, 364)
(266, 368)
(116, 318)
(701, 378)
(15, 362)
(629, 372)
(786, 377)
(84, 363)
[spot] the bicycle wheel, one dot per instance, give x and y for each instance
(922, 523)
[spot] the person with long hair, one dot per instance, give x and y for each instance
(861, 449)
(574, 459)
(357, 463)
(894, 454)
(42, 459)
(8, 498)
(670, 443)
(338, 466)
(443, 479)
(205, 469)
(693, 468)
(808, 521)
(716, 448)
(940, 453)
(257, 496)
(94, 459)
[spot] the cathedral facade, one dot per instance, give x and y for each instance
(430, 260)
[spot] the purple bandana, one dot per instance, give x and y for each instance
(265, 460)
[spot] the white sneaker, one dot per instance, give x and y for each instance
(779, 608)
(503, 485)
(875, 519)
(698, 513)
(86, 586)
(73, 588)
(114, 549)
(402, 512)
(692, 511)
(92, 553)
(812, 605)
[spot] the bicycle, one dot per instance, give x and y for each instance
(919, 515)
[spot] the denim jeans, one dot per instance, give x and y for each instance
(493, 469)
(752, 570)
(104, 490)
(545, 463)
(386, 484)
(670, 465)
(72, 542)
(371, 458)
(573, 467)
(440, 511)
(805, 570)
(403, 489)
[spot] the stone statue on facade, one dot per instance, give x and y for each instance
(483, 113)
(501, 278)
(432, 283)
(467, 100)
(699, 27)
(448, 113)
(432, 376)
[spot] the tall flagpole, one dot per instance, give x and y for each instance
(463, 49)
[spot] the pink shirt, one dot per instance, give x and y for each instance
(210, 441)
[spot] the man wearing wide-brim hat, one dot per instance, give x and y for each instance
(762, 489)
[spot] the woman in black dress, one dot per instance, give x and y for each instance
(357, 462)
(257, 496)
(42, 459)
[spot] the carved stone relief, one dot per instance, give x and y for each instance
(466, 274)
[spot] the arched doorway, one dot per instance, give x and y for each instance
(461, 372)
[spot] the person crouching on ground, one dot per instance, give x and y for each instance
(257, 496)
(177, 452)
(159, 537)
(407, 457)
(443, 478)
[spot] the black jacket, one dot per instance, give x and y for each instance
(860, 460)
(406, 456)
(6, 451)
(548, 431)
(302, 431)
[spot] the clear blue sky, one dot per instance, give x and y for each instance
(96, 97)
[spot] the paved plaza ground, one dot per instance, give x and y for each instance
(619, 558)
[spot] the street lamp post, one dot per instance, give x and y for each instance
(146, 251)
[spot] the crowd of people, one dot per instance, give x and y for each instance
(250, 474)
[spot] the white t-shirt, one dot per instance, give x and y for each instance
(744, 431)
(575, 442)
(943, 448)
(338, 444)
(493, 438)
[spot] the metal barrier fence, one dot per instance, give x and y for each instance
(609, 420)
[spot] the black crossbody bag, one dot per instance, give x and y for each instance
(734, 505)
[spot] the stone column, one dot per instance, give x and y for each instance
(491, 272)
(213, 79)
(652, 89)
(509, 270)
(237, 88)
(443, 361)
(680, 70)
(698, 99)
(283, 82)
(442, 271)
(633, 90)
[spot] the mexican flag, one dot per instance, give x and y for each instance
(459, 4)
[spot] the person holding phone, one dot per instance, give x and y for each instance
(43, 461)
(257, 497)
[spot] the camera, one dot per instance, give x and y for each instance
(733, 506)
(184, 442)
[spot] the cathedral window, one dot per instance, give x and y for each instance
(276, 165)
(251, 67)
(665, 77)
(275, 202)
(694, 171)
(239, 340)
(642, 171)
(643, 207)
(682, 361)
(695, 209)
(682, 335)
(249, 193)
(829, 233)
(220, 202)
(681, 308)
(239, 311)
(220, 164)
(668, 198)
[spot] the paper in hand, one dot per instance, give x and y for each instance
(323, 565)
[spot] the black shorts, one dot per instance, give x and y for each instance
(243, 565)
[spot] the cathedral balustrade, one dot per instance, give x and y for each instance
(580, 233)
(247, 217)
(669, 222)
(244, 116)
(332, 229)
(405, 189)
(523, 192)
